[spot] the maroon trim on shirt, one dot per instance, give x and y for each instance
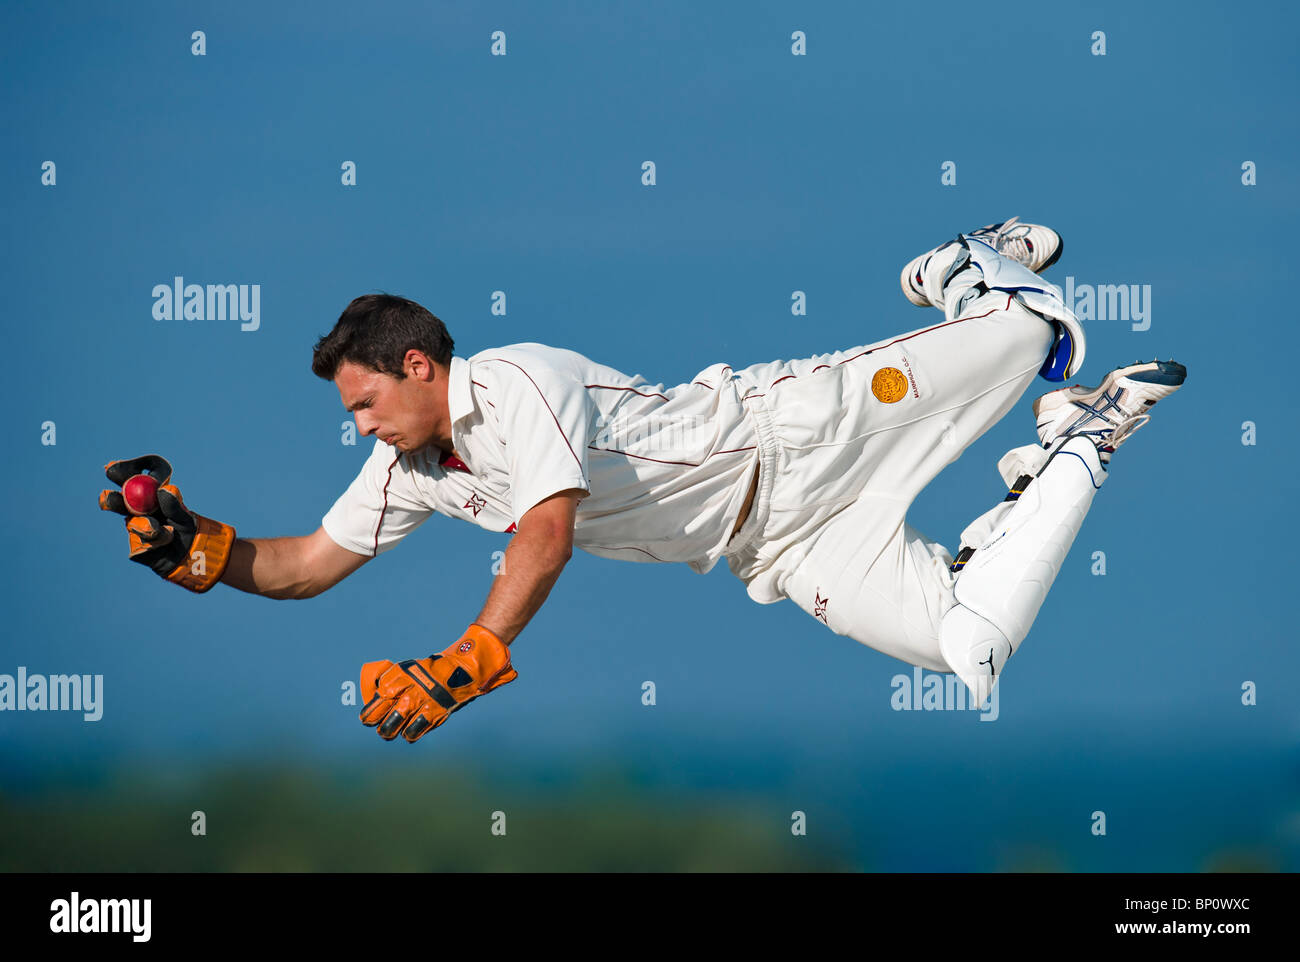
(702, 384)
(611, 387)
(905, 337)
(689, 464)
(548, 406)
(379, 524)
(511, 529)
(449, 460)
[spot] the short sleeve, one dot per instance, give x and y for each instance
(380, 508)
(545, 418)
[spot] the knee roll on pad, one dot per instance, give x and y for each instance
(1039, 296)
(960, 272)
(975, 649)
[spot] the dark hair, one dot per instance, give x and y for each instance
(376, 330)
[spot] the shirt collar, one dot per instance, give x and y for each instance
(460, 402)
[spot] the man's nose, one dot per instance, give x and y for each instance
(364, 424)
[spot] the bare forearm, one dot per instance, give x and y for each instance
(529, 572)
(271, 567)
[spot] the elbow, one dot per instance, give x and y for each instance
(313, 587)
(549, 548)
(558, 557)
(293, 593)
(564, 549)
(559, 550)
(302, 589)
(554, 545)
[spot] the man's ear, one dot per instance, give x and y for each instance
(416, 364)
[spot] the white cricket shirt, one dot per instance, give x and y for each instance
(667, 469)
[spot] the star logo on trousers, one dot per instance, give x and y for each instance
(476, 503)
(819, 606)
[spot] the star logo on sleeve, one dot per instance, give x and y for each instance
(476, 503)
(819, 606)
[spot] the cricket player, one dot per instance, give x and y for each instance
(798, 473)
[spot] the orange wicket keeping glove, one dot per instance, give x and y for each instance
(183, 547)
(411, 698)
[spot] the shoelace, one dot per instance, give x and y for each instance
(1014, 247)
(1122, 433)
(1115, 433)
(1002, 241)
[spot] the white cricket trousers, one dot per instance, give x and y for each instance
(847, 441)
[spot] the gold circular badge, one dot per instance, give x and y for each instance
(889, 385)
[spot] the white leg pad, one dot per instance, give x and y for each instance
(935, 272)
(975, 649)
(1044, 298)
(980, 531)
(950, 273)
(1005, 582)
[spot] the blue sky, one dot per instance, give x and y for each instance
(775, 173)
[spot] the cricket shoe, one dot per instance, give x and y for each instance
(1034, 246)
(1109, 413)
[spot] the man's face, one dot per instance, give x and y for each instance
(396, 411)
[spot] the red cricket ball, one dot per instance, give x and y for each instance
(140, 492)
